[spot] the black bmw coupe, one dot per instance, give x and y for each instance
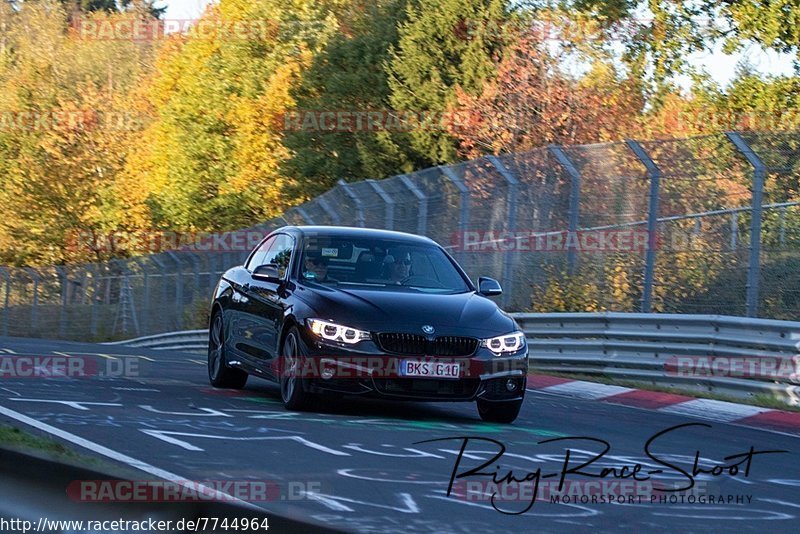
(333, 311)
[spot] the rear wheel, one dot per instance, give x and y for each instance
(499, 412)
(291, 381)
(219, 374)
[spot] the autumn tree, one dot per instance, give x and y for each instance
(533, 103)
(64, 129)
(443, 44)
(348, 75)
(213, 157)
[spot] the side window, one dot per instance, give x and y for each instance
(280, 253)
(258, 256)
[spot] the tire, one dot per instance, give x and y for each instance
(499, 412)
(219, 374)
(292, 392)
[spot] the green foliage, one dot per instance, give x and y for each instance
(444, 45)
(348, 76)
(212, 159)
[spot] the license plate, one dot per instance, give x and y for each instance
(428, 369)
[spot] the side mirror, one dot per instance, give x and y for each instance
(267, 273)
(489, 287)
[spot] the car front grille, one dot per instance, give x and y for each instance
(418, 345)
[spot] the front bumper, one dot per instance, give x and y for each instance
(365, 370)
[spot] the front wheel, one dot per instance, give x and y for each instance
(219, 374)
(292, 394)
(499, 412)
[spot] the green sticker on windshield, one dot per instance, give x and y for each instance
(330, 252)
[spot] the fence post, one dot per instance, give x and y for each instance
(178, 288)
(62, 314)
(34, 311)
(387, 200)
(93, 319)
(511, 201)
(147, 313)
(422, 204)
(357, 201)
(327, 208)
(304, 214)
(754, 263)
(164, 293)
(463, 209)
(734, 230)
(574, 200)
(654, 174)
(4, 271)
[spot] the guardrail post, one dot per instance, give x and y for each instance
(511, 200)
(4, 272)
(463, 209)
(652, 222)
(357, 201)
(387, 200)
(422, 204)
(754, 264)
(574, 200)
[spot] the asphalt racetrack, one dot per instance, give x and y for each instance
(368, 466)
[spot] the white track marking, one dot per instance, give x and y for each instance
(208, 412)
(78, 405)
(166, 435)
(586, 390)
(713, 410)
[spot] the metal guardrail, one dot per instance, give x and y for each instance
(665, 349)
(707, 352)
(186, 340)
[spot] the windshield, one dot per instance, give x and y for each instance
(380, 264)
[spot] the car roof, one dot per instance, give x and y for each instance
(354, 233)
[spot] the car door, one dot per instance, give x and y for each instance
(266, 302)
(242, 327)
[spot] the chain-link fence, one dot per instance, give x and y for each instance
(700, 225)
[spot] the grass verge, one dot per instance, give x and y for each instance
(19, 440)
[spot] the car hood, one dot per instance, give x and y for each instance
(468, 314)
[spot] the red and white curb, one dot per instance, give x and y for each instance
(707, 409)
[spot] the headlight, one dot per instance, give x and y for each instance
(503, 344)
(336, 332)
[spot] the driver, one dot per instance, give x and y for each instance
(398, 266)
